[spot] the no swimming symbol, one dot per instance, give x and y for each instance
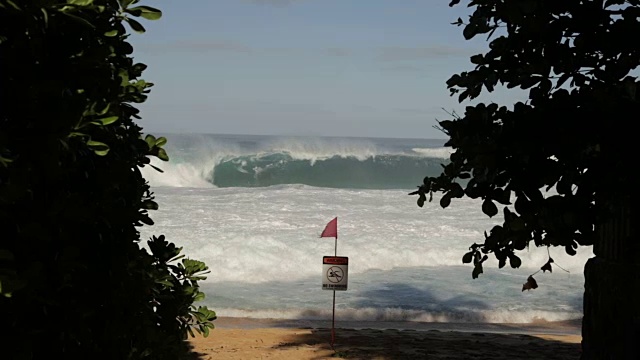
(335, 272)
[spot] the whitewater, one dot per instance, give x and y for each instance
(252, 208)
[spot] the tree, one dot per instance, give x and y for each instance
(74, 282)
(562, 162)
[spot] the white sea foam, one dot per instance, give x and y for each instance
(441, 152)
(399, 314)
(263, 248)
(179, 174)
(318, 148)
(405, 262)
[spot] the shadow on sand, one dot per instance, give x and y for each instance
(192, 353)
(477, 342)
(433, 344)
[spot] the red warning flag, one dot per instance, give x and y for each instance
(331, 230)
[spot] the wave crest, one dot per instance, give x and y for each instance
(315, 164)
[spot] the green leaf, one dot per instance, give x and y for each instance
(76, 134)
(139, 68)
(136, 26)
(103, 111)
(99, 148)
(193, 266)
(101, 152)
(162, 155)
(13, 5)
(4, 161)
(165, 282)
(45, 17)
(124, 75)
(80, 2)
(209, 315)
(489, 208)
(467, 258)
(140, 84)
(111, 33)
(146, 12)
(199, 297)
(108, 120)
(177, 257)
(161, 141)
(150, 140)
(93, 143)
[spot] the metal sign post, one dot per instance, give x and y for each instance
(335, 271)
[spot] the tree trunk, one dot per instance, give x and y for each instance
(611, 323)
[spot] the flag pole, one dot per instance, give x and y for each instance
(333, 322)
(333, 313)
(332, 230)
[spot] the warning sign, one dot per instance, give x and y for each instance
(334, 273)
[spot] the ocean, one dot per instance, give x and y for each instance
(253, 207)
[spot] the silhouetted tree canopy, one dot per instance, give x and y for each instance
(74, 281)
(573, 137)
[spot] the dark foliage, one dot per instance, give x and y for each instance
(74, 280)
(572, 136)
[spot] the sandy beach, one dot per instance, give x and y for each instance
(270, 339)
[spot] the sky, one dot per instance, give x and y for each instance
(366, 68)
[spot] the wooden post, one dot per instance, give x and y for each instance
(611, 323)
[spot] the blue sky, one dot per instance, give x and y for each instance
(372, 68)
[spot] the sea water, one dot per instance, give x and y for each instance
(253, 207)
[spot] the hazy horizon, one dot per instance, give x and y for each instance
(169, 133)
